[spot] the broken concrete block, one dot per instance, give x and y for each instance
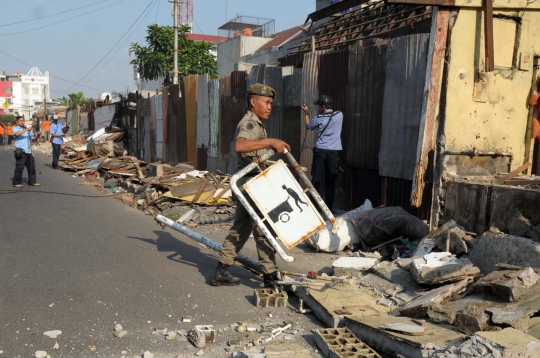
(187, 318)
(265, 297)
(509, 284)
(369, 255)
(391, 271)
(118, 328)
(441, 313)
(517, 224)
(510, 342)
(155, 170)
(494, 247)
(283, 349)
(517, 318)
(200, 335)
(472, 320)
(40, 354)
(439, 267)
(454, 241)
(160, 330)
(535, 234)
(120, 334)
(171, 336)
(342, 342)
(352, 266)
(419, 307)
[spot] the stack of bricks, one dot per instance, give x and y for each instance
(341, 343)
(266, 297)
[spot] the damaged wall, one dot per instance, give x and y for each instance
(489, 111)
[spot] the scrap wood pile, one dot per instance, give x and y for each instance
(142, 184)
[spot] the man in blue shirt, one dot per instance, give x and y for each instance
(23, 137)
(325, 154)
(57, 136)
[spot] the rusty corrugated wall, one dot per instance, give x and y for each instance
(203, 122)
(310, 93)
(164, 123)
(406, 63)
(362, 129)
(292, 112)
(214, 113)
(175, 132)
(156, 128)
(190, 100)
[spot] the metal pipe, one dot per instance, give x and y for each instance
(234, 179)
(301, 308)
(244, 260)
(474, 153)
(314, 194)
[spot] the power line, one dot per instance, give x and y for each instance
(157, 12)
(144, 11)
(122, 45)
(60, 78)
(59, 22)
(58, 13)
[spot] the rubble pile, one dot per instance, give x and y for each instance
(180, 192)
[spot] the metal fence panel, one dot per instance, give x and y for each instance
(406, 61)
(190, 98)
(203, 122)
(213, 107)
(157, 139)
(292, 113)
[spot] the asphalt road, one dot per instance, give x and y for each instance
(75, 260)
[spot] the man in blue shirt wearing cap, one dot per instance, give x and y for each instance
(23, 137)
(325, 154)
(57, 136)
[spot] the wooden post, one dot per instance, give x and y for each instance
(488, 36)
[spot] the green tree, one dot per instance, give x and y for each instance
(7, 119)
(74, 99)
(156, 59)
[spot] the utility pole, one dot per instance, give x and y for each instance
(175, 60)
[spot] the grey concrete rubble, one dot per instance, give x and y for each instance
(453, 242)
(509, 285)
(440, 267)
(352, 266)
(517, 224)
(507, 343)
(53, 334)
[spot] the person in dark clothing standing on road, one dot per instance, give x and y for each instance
(325, 154)
(23, 137)
(57, 136)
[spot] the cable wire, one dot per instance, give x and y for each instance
(122, 45)
(60, 78)
(58, 13)
(144, 11)
(59, 22)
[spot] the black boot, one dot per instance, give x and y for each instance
(269, 279)
(222, 276)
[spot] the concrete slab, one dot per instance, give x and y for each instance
(437, 337)
(495, 247)
(440, 267)
(324, 302)
(513, 342)
(352, 266)
(466, 203)
(285, 349)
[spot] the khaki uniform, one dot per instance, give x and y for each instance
(251, 128)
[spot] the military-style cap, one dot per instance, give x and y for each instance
(261, 90)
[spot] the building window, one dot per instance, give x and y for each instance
(9, 89)
(8, 100)
(35, 90)
(25, 90)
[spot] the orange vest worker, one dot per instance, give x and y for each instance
(10, 130)
(47, 125)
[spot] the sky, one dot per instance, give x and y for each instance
(84, 44)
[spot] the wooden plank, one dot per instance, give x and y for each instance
(199, 192)
(217, 197)
(210, 196)
(141, 176)
(488, 36)
(513, 173)
(522, 182)
(185, 189)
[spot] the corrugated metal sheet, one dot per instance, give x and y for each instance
(362, 129)
(362, 184)
(157, 139)
(406, 61)
(397, 192)
(274, 125)
(292, 112)
(310, 93)
(190, 98)
(144, 106)
(145, 133)
(152, 132)
(213, 105)
(203, 122)
(165, 103)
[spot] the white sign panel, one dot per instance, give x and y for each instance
(284, 204)
(35, 79)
